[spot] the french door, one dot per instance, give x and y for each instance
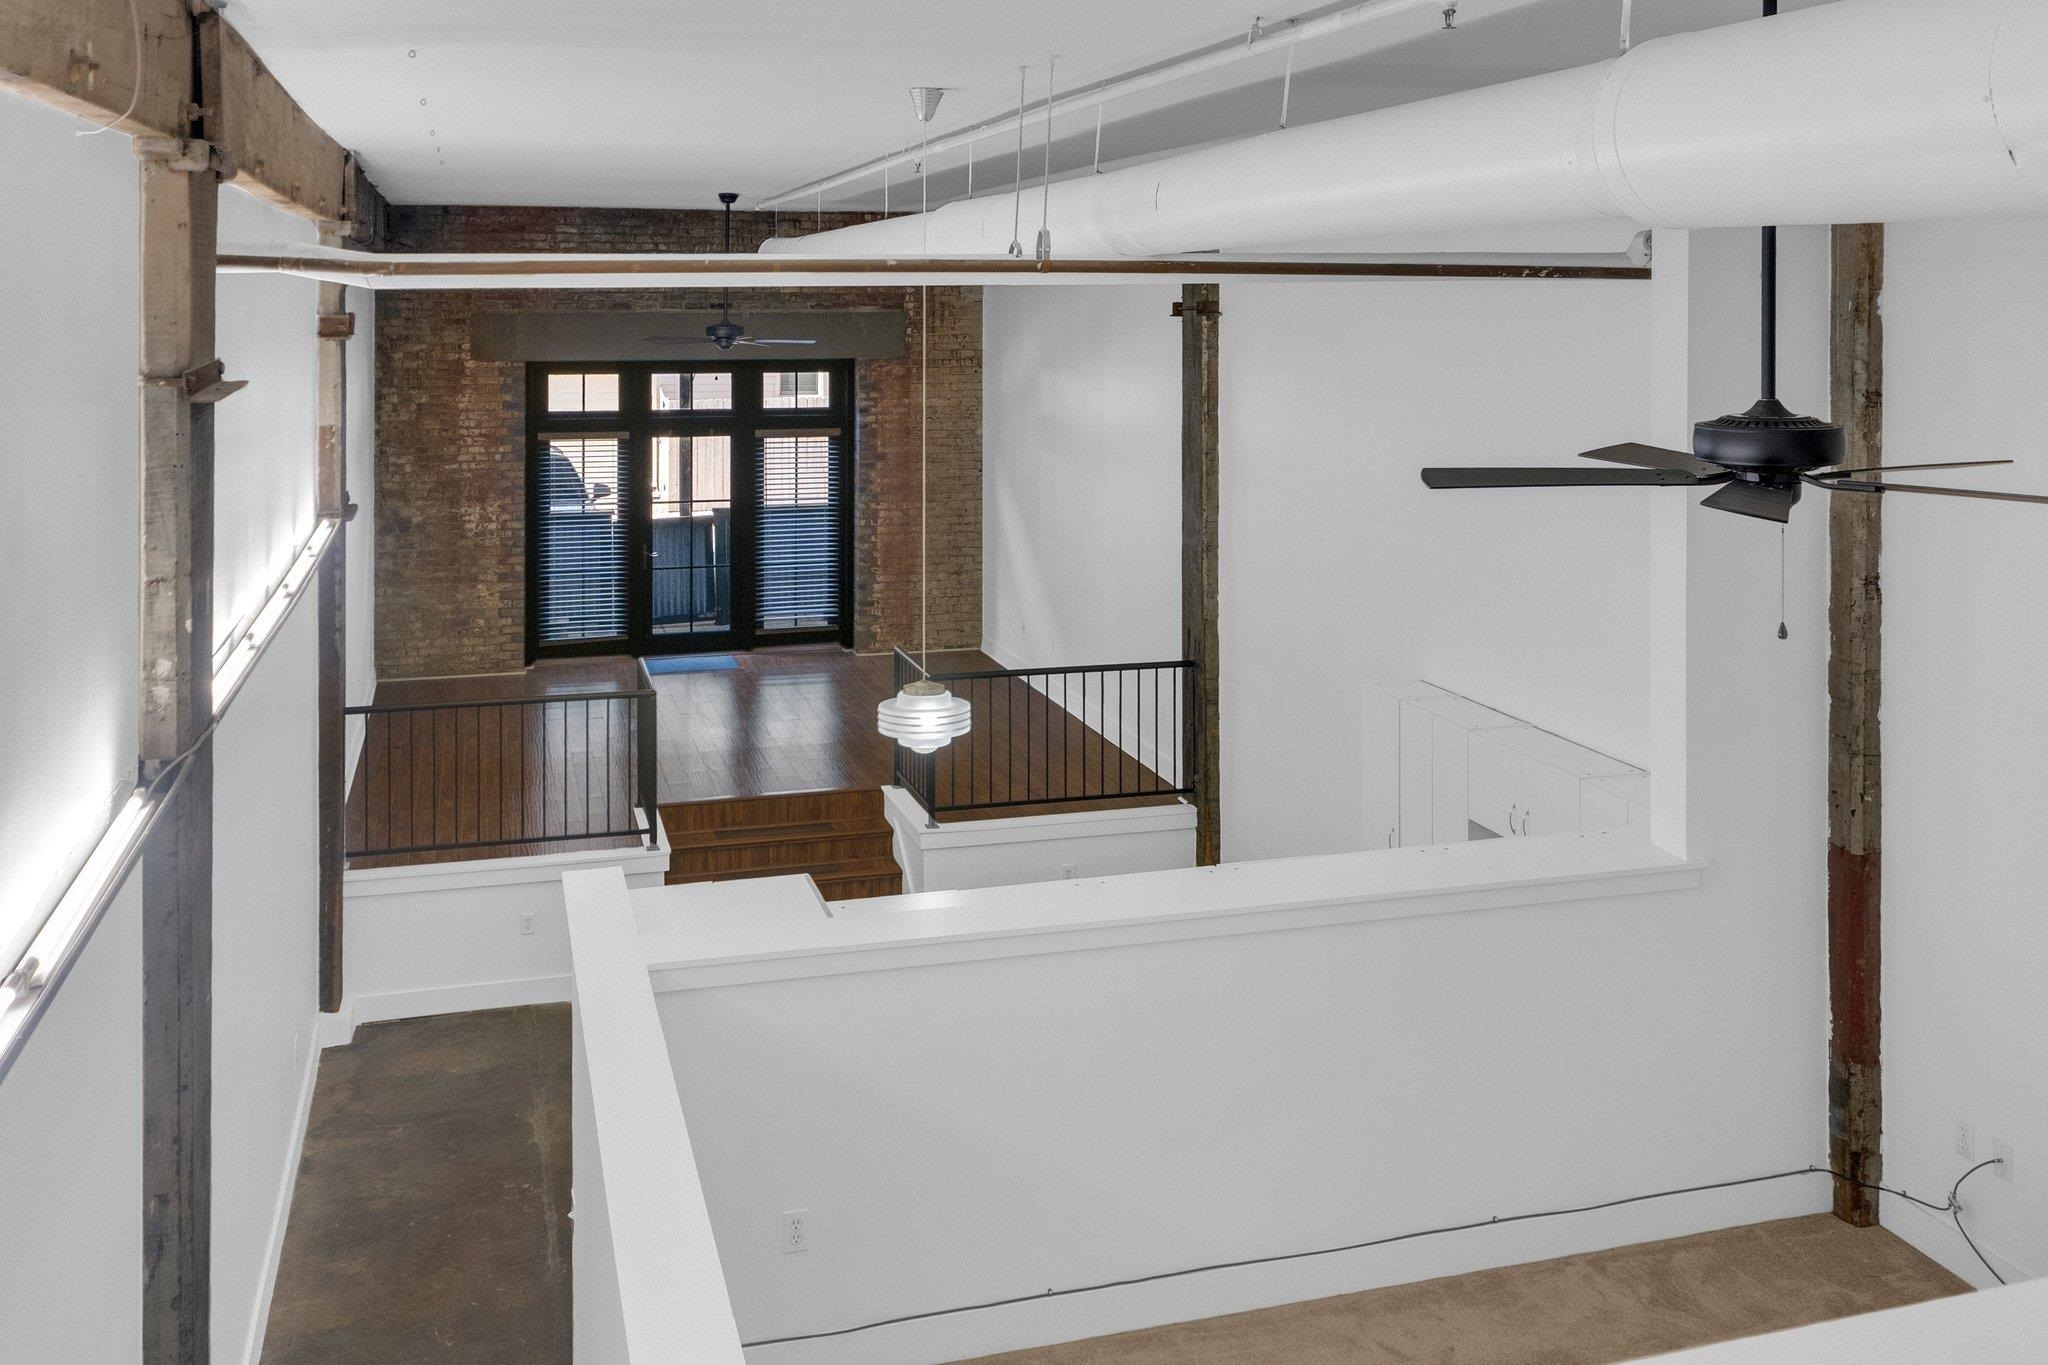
(683, 507)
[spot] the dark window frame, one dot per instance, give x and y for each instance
(637, 417)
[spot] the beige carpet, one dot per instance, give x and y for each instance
(1611, 1305)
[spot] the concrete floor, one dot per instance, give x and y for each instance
(431, 1216)
(1613, 1305)
(430, 1223)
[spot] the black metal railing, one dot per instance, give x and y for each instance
(1088, 735)
(502, 776)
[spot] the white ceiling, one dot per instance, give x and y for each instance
(653, 103)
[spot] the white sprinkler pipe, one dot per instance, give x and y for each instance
(1857, 111)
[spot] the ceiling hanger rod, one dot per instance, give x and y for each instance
(1227, 52)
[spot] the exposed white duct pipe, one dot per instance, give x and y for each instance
(1279, 37)
(1857, 111)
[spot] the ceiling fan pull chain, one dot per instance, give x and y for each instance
(1783, 634)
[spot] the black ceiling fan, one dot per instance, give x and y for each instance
(1759, 459)
(725, 333)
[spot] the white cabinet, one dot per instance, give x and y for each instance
(1614, 804)
(1381, 768)
(1441, 768)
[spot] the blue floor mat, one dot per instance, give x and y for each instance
(692, 663)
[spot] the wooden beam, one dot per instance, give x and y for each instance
(280, 154)
(1855, 769)
(80, 55)
(330, 483)
(180, 190)
(1200, 314)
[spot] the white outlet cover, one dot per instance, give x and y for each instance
(2002, 1150)
(793, 1231)
(1966, 1141)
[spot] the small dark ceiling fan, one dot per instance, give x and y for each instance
(1759, 459)
(725, 333)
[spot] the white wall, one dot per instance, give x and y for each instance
(70, 1113)
(67, 532)
(1339, 568)
(1080, 475)
(71, 1110)
(264, 436)
(1965, 735)
(265, 966)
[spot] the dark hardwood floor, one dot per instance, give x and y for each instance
(543, 760)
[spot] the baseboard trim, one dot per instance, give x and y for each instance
(479, 995)
(1934, 1236)
(337, 1029)
(280, 1217)
(1040, 1322)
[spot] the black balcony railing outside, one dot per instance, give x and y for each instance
(494, 775)
(1089, 735)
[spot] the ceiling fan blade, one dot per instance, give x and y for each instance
(1557, 478)
(1649, 457)
(1856, 486)
(777, 341)
(1895, 468)
(1755, 500)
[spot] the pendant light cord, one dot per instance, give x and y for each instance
(924, 366)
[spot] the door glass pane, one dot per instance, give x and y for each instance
(799, 530)
(596, 392)
(691, 510)
(703, 391)
(582, 538)
(796, 389)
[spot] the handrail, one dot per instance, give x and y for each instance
(392, 708)
(504, 772)
(1033, 742)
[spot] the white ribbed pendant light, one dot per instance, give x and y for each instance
(924, 716)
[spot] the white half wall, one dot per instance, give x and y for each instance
(1966, 739)
(987, 1094)
(964, 854)
(437, 938)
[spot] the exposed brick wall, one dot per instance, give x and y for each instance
(451, 432)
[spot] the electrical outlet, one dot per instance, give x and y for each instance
(796, 1230)
(526, 925)
(2002, 1150)
(1066, 872)
(1966, 1141)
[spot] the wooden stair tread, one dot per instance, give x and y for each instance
(865, 867)
(740, 836)
(839, 839)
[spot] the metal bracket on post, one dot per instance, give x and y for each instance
(337, 326)
(207, 383)
(186, 154)
(1203, 309)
